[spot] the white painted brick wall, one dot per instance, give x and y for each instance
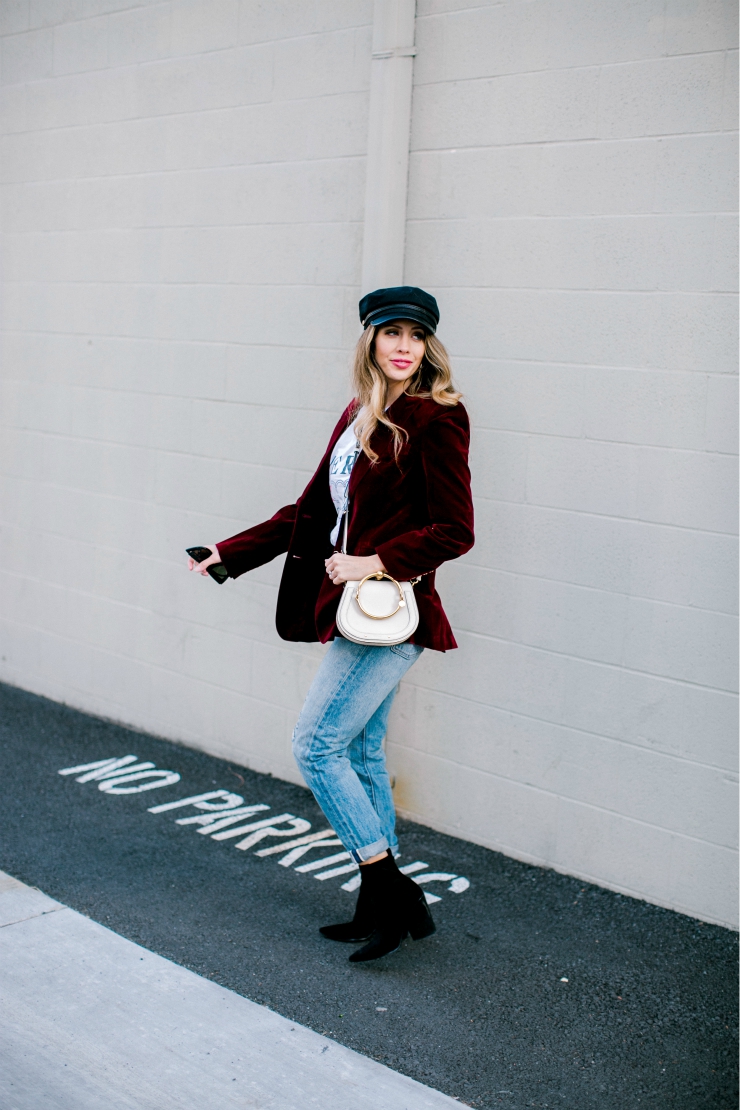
(182, 199)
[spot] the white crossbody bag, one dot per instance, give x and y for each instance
(377, 611)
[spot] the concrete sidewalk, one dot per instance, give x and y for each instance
(90, 1020)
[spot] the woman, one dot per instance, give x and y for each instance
(395, 481)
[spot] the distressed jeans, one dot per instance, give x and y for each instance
(338, 741)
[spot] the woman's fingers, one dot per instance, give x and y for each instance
(333, 569)
(202, 568)
(350, 568)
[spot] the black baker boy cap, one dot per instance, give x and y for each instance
(402, 302)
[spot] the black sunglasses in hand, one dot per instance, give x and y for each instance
(217, 571)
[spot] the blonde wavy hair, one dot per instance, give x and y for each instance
(433, 379)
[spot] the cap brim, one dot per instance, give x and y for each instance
(402, 312)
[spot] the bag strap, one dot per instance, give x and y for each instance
(344, 531)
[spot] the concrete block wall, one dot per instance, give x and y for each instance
(182, 215)
(183, 191)
(571, 203)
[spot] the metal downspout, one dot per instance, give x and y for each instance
(388, 143)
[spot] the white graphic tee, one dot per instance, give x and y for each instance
(343, 458)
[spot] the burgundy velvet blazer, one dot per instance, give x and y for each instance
(416, 513)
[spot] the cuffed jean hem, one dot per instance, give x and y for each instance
(361, 855)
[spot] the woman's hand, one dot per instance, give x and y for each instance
(202, 568)
(351, 568)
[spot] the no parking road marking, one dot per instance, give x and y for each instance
(221, 815)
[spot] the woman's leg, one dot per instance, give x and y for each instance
(351, 685)
(367, 757)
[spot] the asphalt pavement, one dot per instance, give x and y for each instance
(537, 990)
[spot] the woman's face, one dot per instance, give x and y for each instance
(399, 349)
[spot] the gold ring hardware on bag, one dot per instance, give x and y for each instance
(360, 627)
(379, 576)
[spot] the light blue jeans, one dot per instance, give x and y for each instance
(338, 741)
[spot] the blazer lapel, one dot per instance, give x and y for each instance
(319, 483)
(359, 470)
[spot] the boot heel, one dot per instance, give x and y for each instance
(425, 930)
(421, 923)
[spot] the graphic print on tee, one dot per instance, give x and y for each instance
(343, 458)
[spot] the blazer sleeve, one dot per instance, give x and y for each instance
(260, 544)
(444, 452)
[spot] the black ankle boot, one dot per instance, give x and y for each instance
(399, 908)
(361, 926)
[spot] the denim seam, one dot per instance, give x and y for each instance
(371, 780)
